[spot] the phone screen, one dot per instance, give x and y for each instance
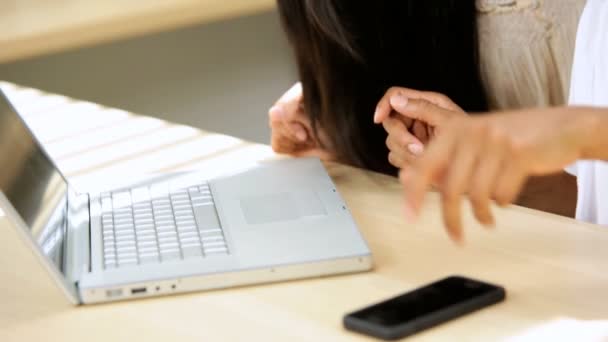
(424, 301)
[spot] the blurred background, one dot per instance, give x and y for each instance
(220, 76)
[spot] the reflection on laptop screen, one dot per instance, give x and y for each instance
(32, 184)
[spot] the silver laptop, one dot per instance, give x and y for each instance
(275, 221)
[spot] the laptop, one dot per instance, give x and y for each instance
(175, 233)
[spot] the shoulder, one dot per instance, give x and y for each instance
(526, 50)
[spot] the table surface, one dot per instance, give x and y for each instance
(34, 27)
(554, 269)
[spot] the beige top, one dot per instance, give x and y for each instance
(526, 50)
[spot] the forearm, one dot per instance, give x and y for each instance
(596, 142)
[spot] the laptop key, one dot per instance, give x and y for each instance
(149, 259)
(126, 255)
(188, 234)
(168, 245)
(148, 251)
(193, 251)
(211, 232)
(166, 228)
(126, 249)
(146, 237)
(214, 244)
(110, 255)
(216, 251)
(206, 217)
(201, 203)
(125, 237)
(143, 244)
(212, 238)
(145, 231)
(169, 255)
(167, 233)
(184, 240)
(184, 220)
(110, 265)
(109, 250)
(106, 205)
(125, 232)
(127, 262)
(186, 228)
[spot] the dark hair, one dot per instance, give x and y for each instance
(350, 52)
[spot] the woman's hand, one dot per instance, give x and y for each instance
(400, 110)
(290, 126)
(489, 157)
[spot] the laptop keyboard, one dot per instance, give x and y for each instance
(156, 225)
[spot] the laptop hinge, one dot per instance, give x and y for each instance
(77, 254)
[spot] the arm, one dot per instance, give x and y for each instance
(596, 146)
(490, 157)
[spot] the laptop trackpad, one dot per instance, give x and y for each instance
(284, 206)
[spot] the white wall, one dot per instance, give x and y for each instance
(221, 76)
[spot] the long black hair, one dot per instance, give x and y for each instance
(350, 52)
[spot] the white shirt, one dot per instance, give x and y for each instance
(589, 86)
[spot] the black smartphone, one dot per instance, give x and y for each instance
(424, 307)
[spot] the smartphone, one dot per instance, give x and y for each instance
(424, 308)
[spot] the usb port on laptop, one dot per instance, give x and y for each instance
(139, 290)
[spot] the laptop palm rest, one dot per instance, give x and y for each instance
(278, 207)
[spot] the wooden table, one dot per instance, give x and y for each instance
(554, 269)
(33, 27)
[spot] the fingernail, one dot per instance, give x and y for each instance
(277, 110)
(376, 115)
(415, 149)
(399, 101)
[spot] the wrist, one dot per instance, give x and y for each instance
(596, 134)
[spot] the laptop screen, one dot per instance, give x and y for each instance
(32, 183)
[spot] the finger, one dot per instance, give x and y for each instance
(281, 144)
(509, 182)
(283, 129)
(290, 107)
(383, 109)
(315, 152)
(484, 179)
(276, 114)
(457, 181)
(293, 95)
(401, 153)
(401, 137)
(420, 131)
(427, 170)
(299, 131)
(420, 110)
(407, 122)
(397, 160)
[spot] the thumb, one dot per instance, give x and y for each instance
(418, 109)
